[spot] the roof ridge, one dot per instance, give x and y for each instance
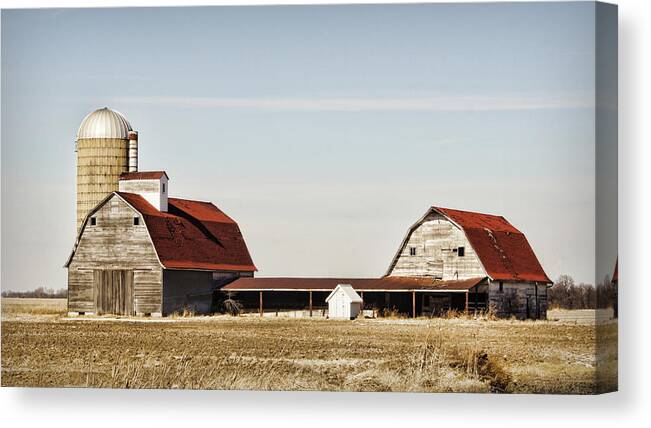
(467, 211)
(193, 200)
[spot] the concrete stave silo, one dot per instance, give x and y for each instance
(106, 146)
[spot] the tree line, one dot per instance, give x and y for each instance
(39, 293)
(566, 294)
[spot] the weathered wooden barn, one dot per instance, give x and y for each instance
(448, 260)
(447, 244)
(139, 252)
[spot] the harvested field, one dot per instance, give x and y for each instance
(38, 309)
(438, 355)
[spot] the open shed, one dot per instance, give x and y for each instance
(344, 302)
(406, 295)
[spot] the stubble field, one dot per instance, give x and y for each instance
(41, 347)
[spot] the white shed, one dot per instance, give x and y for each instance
(344, 302)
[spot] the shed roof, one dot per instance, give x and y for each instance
(615, 274)
(191, 235)
(386, 283)
(503, 250)
(348, 290)
(143, 175)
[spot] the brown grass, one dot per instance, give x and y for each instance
(32, 306)
(391, 354)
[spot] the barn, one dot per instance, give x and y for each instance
(138, 251)
(448, 260)
(448, 244)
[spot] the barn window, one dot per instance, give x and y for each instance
(136, 221)
(412, 251)
(501, 287)
(461, 251)
(93, 221)
(163, 187)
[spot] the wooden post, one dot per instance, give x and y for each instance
(361, 294)
(467, 292)
(310, 303)
(535, 284)
(261, 308)
(413, 304)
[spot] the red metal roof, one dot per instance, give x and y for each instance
(615, 274)
(143, 175)
(502, 249)
(387, 283)
(193, 235)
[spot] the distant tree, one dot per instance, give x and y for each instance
(606, 293)
(39, 293)
(566, 294)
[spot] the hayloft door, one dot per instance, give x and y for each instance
(113, 292)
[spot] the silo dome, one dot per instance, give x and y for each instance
(104, 123)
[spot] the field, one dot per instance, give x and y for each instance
(41, 347)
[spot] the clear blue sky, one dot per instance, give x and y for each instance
(325, 131)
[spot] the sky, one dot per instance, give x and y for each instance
(324, 131)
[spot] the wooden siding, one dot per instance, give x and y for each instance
(114, 243)
(150, 189)
(520, 299)
(435, 241)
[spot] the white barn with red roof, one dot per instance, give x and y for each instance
(139, 252)
(448, 245)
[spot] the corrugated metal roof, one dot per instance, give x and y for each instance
(208, 241)
(104, 123)
(503, 250)
(387, 283)
(193, 235)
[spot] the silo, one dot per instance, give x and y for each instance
(102, 148)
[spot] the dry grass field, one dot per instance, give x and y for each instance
(41, 347)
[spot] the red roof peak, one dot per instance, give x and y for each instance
(143, 175)
(503, 250)
(193, 235)
(475, 220)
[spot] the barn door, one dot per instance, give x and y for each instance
(113, 292)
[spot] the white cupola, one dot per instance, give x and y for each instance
(151, 185)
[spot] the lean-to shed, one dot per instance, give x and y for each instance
(344, 302)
